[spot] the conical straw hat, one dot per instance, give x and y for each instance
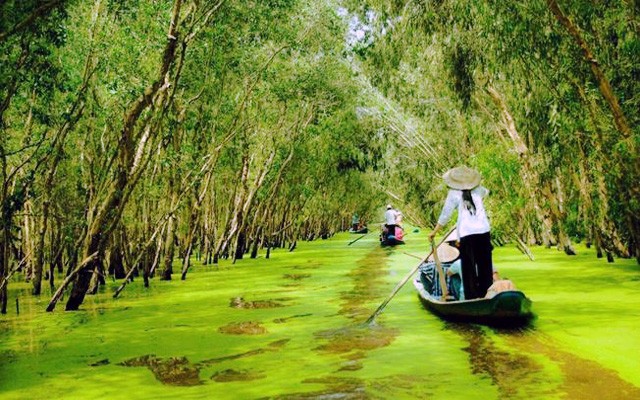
(462, 178)
(446, 253)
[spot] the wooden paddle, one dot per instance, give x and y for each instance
(404, 280)
(353, 241)
(443, 281)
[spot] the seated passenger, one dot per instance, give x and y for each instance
(448, 257)
(399, 233)
(499, 285)
(454, 273)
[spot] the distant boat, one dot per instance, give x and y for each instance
(390, 241)
(508, 308)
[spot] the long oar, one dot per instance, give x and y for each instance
(353, 241)
(443, 282)
(404, 280)
(412, 255)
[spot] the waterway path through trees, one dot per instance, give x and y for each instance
(291, 327)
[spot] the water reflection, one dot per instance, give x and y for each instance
(580, 378)
(516, 368)
(352, 342)
(337, 388)
(515, 374)
(366, 278)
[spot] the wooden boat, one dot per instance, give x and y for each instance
(361, 230)
(390, 241)
(508, 308)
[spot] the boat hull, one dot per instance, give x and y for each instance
(390, 242)
(506, 308)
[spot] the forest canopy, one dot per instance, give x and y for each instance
(136, 134)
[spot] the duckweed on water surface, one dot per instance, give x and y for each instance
(292, 327)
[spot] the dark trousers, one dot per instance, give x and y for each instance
(391, 230)
(477, 266)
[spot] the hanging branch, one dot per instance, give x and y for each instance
(603, 83)
(40, 12)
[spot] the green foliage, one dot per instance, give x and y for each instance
(439, 51)
(289, 115)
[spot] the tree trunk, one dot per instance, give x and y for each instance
(557, 214)
(631, 165)
(598, 214)
(75, 113)
(116, 259)
(169, 250)
(27, 245)
(528, 170)
(111, 209)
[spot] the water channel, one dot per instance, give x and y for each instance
(292, 327)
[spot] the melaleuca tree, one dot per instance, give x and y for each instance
(489, 66)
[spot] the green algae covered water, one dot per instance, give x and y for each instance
(291, 327)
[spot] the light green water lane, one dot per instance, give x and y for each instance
(291, 327)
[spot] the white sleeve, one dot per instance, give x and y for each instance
(450, 204)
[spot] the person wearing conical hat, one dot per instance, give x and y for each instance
(450, 256)
(390, 218)
(466, 196)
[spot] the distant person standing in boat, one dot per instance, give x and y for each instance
(465, 195)
(390, 217)
(355, 222)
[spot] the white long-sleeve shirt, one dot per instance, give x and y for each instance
(467, 224)
(390, 216)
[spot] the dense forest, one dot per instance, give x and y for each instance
(137, 136)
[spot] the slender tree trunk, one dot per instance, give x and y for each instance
(75, 113)
(4, 228)
(603, 83)
(27, 244)
(555, 203)
(39, 251)
(528, 170)
(631, 165)
(604, 229)
(116, 258)
(57, 248)
(169, 250)
(109, 213)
